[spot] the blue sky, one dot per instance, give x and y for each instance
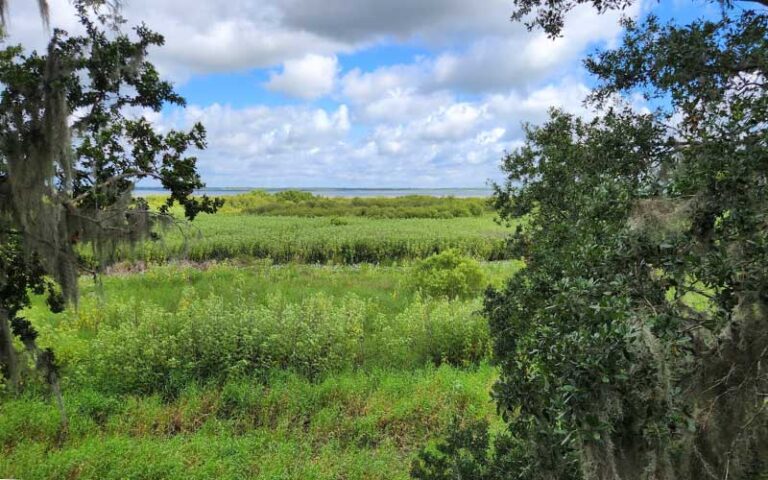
(361, 93)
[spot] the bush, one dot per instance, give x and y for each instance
(294, 196)
(95, 405)
(339, 222)
(157, 351)
(468, 451)
(448, 274)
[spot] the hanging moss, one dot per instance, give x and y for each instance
(69, 159)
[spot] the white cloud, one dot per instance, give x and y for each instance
(512, 60)
(568, 94)
(490, 137)
(442, 118)
(437, 21)
(451, 123)
(203, 37)
(453, 143)
(309, 77)
(401, 105)
(364, 87)
(522, 60)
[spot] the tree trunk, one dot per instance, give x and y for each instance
(9, 362)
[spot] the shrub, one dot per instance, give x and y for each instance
(468, 451)
(339, 222)
(448, 274)
(294, 196)
(95, 405)
(211, 340)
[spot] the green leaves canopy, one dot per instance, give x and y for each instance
(632, 345)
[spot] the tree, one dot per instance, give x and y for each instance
(70, 155)
(633, 345)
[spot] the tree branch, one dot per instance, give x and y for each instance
(110, 181)
(761, 2)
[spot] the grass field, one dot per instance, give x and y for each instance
(344, 240)
(306, 364)
(294, 203)
(157, 331)
(355, 425)
(300, 228)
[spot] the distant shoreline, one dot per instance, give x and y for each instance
(337, 192)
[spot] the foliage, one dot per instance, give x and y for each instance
(63, 184)
(27, 276)
(606, 370)
(461, 455)
(356, 425)
(170, 326)
(467, 452)
(161, 351)
(549, 15)
(344, 240)
(152, 392)
(294, 196)
(66, 179)
(304, 204)
(448, 274)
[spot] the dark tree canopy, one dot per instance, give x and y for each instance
(634, 343)
(72, 147)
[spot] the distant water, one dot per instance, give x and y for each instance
(339, 192)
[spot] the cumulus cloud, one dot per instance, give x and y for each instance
(443, 118)
(309, 77)
(499, 62)
(452, 143)
(450, 123)
(476, 47)
(203, 37)
(437, 21)
(363, 87)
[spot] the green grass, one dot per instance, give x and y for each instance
(353, 426)
(254, 282)
(254, 368)
(159, 330)
(348, 240)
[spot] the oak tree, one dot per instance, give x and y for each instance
(634, 343)
(73, 144)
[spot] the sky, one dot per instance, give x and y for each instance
(359, 93)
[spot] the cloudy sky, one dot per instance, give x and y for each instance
(357, 93)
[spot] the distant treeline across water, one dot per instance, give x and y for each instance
(339, 192)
